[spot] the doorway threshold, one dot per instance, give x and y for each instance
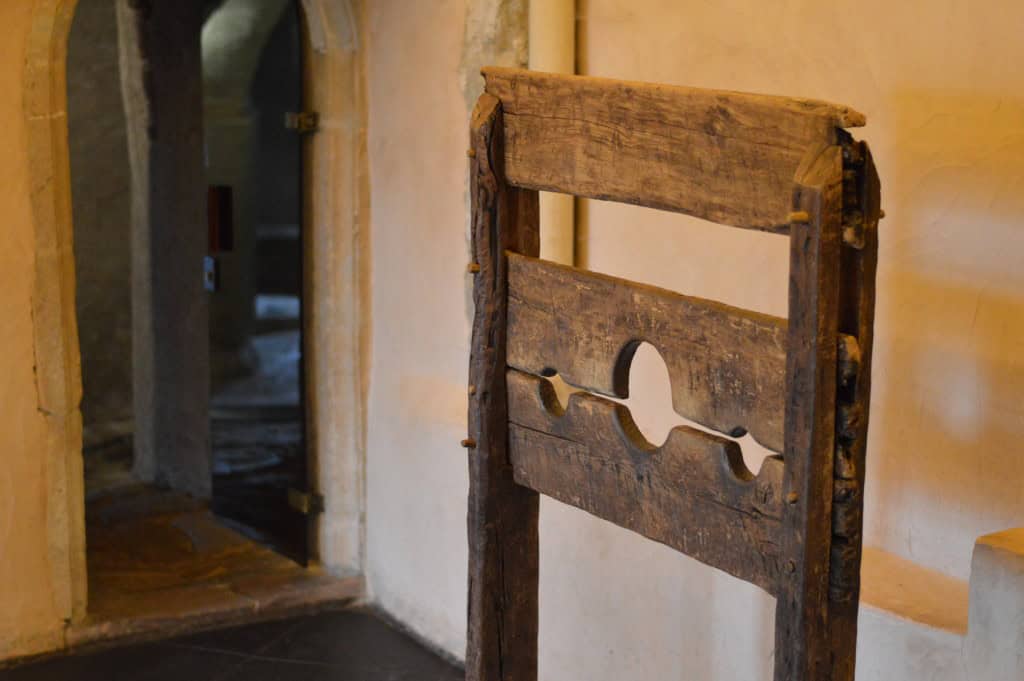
(161, 565)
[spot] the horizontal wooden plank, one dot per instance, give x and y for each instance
(694, 493)
(723, 156)
(726, 365)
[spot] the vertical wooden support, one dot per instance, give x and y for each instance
(503, 542)
(859, 260)
(802, 635)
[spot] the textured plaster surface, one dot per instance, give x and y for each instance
(893, 584)
(995, 640)
(495, 32)
(889, 648)
(945, 125)
(416, 471)
(38, 407)
(423, 63)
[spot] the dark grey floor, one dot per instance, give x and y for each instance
(339, 646)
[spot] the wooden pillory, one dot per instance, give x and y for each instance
(800, 386)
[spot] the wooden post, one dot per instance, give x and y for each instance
(802, 634)
(592, 146)
(859, 260)
(503, 541)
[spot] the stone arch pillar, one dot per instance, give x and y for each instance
(161, 80)
(58, 371)
(337, 285)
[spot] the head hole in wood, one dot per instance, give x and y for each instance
(645, 415)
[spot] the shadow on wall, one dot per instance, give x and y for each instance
(948, 411)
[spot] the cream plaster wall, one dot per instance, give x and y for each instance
(938, 82)
(38, 406)
(416, 471)
(626, 602)
(423, 61)
(947, 129)
(941, 89)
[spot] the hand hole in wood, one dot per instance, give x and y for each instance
(557, 400)
(727, 365)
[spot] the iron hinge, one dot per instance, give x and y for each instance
(302, 122)
(306, 503)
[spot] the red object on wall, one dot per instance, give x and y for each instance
(220, 218)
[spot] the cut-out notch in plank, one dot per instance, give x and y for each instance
(726, 365)
(693, 493)
(728, 157)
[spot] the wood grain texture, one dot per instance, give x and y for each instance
(723, 156)
(694, 493)
(502, 521)
(861, 205)
(802, 633)
(727, 365)
(800, 387)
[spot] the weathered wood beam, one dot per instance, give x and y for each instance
(727, 157)
(726, 365)
(859, 261)
(802, 635)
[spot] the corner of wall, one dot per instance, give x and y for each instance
(55, 332)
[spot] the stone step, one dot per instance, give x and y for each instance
(912, 621)
(917, 623)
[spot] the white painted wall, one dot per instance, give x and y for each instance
(939, 82)
(552, 48)
(416, 472)
(941, 89)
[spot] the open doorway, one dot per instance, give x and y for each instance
(254, 168)
(189, 259)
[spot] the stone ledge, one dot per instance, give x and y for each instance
(912, 621)
(995, 640)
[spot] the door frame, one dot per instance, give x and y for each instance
(336, 284)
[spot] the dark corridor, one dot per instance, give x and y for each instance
(257, 417)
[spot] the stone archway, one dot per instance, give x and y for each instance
(336, 283)
(55, 331)
(337, 278)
